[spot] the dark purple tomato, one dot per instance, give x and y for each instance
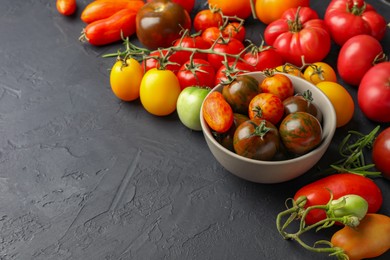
(256, 139)
(226, 139)
(300, 132)
(302, 103)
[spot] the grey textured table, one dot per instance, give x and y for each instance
(85, 176)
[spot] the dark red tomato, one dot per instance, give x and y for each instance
(217, 112)
(196, 72)
(234, 30)
(154, 59)
(228, 72)
(160, 22)
(374, 93)
(263, 57)
(225, 46)
(186, 4)
(300, 132)
(207, 18)
(278, 84)
(256, 139)
(298, 34)
(302, 103)
(342, 14)
(266, 106)
(211, 34)
(194, 42)
(226, 139)
(381, 153)
(357, 56)
(240, 92)
(339, 184)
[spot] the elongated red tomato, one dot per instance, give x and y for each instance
(66, 7)
(217, 112)
(339, 184)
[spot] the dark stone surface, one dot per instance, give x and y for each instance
(85, 176)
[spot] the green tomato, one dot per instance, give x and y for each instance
(349, 205)
(188, 106)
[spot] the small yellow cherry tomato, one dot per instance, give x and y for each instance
(125, 79)
(319, 71)
(159, 91)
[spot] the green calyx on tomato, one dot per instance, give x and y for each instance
(348, 205)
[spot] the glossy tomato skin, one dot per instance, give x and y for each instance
(66, 7)
(240, 92)
(153, 61)
(374, 93)
(217, 112)
(278, 84)
(159, 23)
(186, 4)
(227, 72)
(265, 58)
(340, 184)
(346, 18)
(299, 103)
(197, 72)
(266, 106)
(211, 34)
(304, 37)
(241, 8)
(234, 30)
(271, 10)
(230, 46)
(381, 153)
(207, 18)
(363, 50)
(300, 132)
(256, 139)
(190, 42)
(226, 139)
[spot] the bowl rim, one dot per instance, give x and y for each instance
(326, 140)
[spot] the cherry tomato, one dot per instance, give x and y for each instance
(263, 57)
(160, 22)
(66, 7)
(302, 102)
(211, 34)
(159, 91)
(319, 71)
(374, 93)
(381, 153)
(241, 8)
(300, 132)
(256, 139)
(217, 112)
(266, 106)
(339, 184)
(225, 46)
(154, 59)
(227, 72)
(342, 101)
(234, 30)
(268, 11)
(196, 72)
(365, 51)
(278, 84)
(193, 42)
(226, 139)
(207, 18)
(125, 79)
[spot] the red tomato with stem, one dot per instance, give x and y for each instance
(234, 30)
(346, 18)
(193, 42)
(231, 48)
(357, 56)
(229, 71)
(217, 112)
(340, 184)
(196, 72)
(298, 35)
(211, 34)
(263, 57)
(278, 84)
(155, 58)
(381, 153)
(266, 106)
(207, 18)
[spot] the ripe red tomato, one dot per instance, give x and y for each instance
(381, 153)
(263, 57)
(278, 84)
(227, 72)
(217, 112)
(234, 30)
(266, 106)
(196, 72)
(190, 42)
(296, 37)
(225, 46)
(207, 18)
(153, 61)
(256, 139)
(66, 7)
(300, 132)
(340, 184)
(211, 34)
(342, 14)
(357, 56)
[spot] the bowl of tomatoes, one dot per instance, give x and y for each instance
(260, 138)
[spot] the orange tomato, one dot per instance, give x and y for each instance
(319, 71)
(268, 11)
(66, 7)
(217, 112)
(241, 8)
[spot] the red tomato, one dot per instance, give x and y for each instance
(381, 153)
(262, 58)
(217, 112)
(225, 46)
(266, 106)
(339, 184)
(227, 72)
(197, 72)
(153, 61)
(374, 93)
(66, 7)
(211, 34)
(278, 84)
(240, 8)
(357, 56)
(347, 18)
(298, 34)
(207, 18)
(190, 42)
(234, 30)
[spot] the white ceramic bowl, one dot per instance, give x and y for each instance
(276, 171)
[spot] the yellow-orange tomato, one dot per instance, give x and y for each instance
(289, 70)
(371, 238)
(241, 8)
(341, 100)
(268, 11)
(125, 79)
(159, 91)
(319, 71)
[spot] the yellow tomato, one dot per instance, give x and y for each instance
(159, 91)
(125, 79)
(341, 99)
(319, 71)
(289, 70)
